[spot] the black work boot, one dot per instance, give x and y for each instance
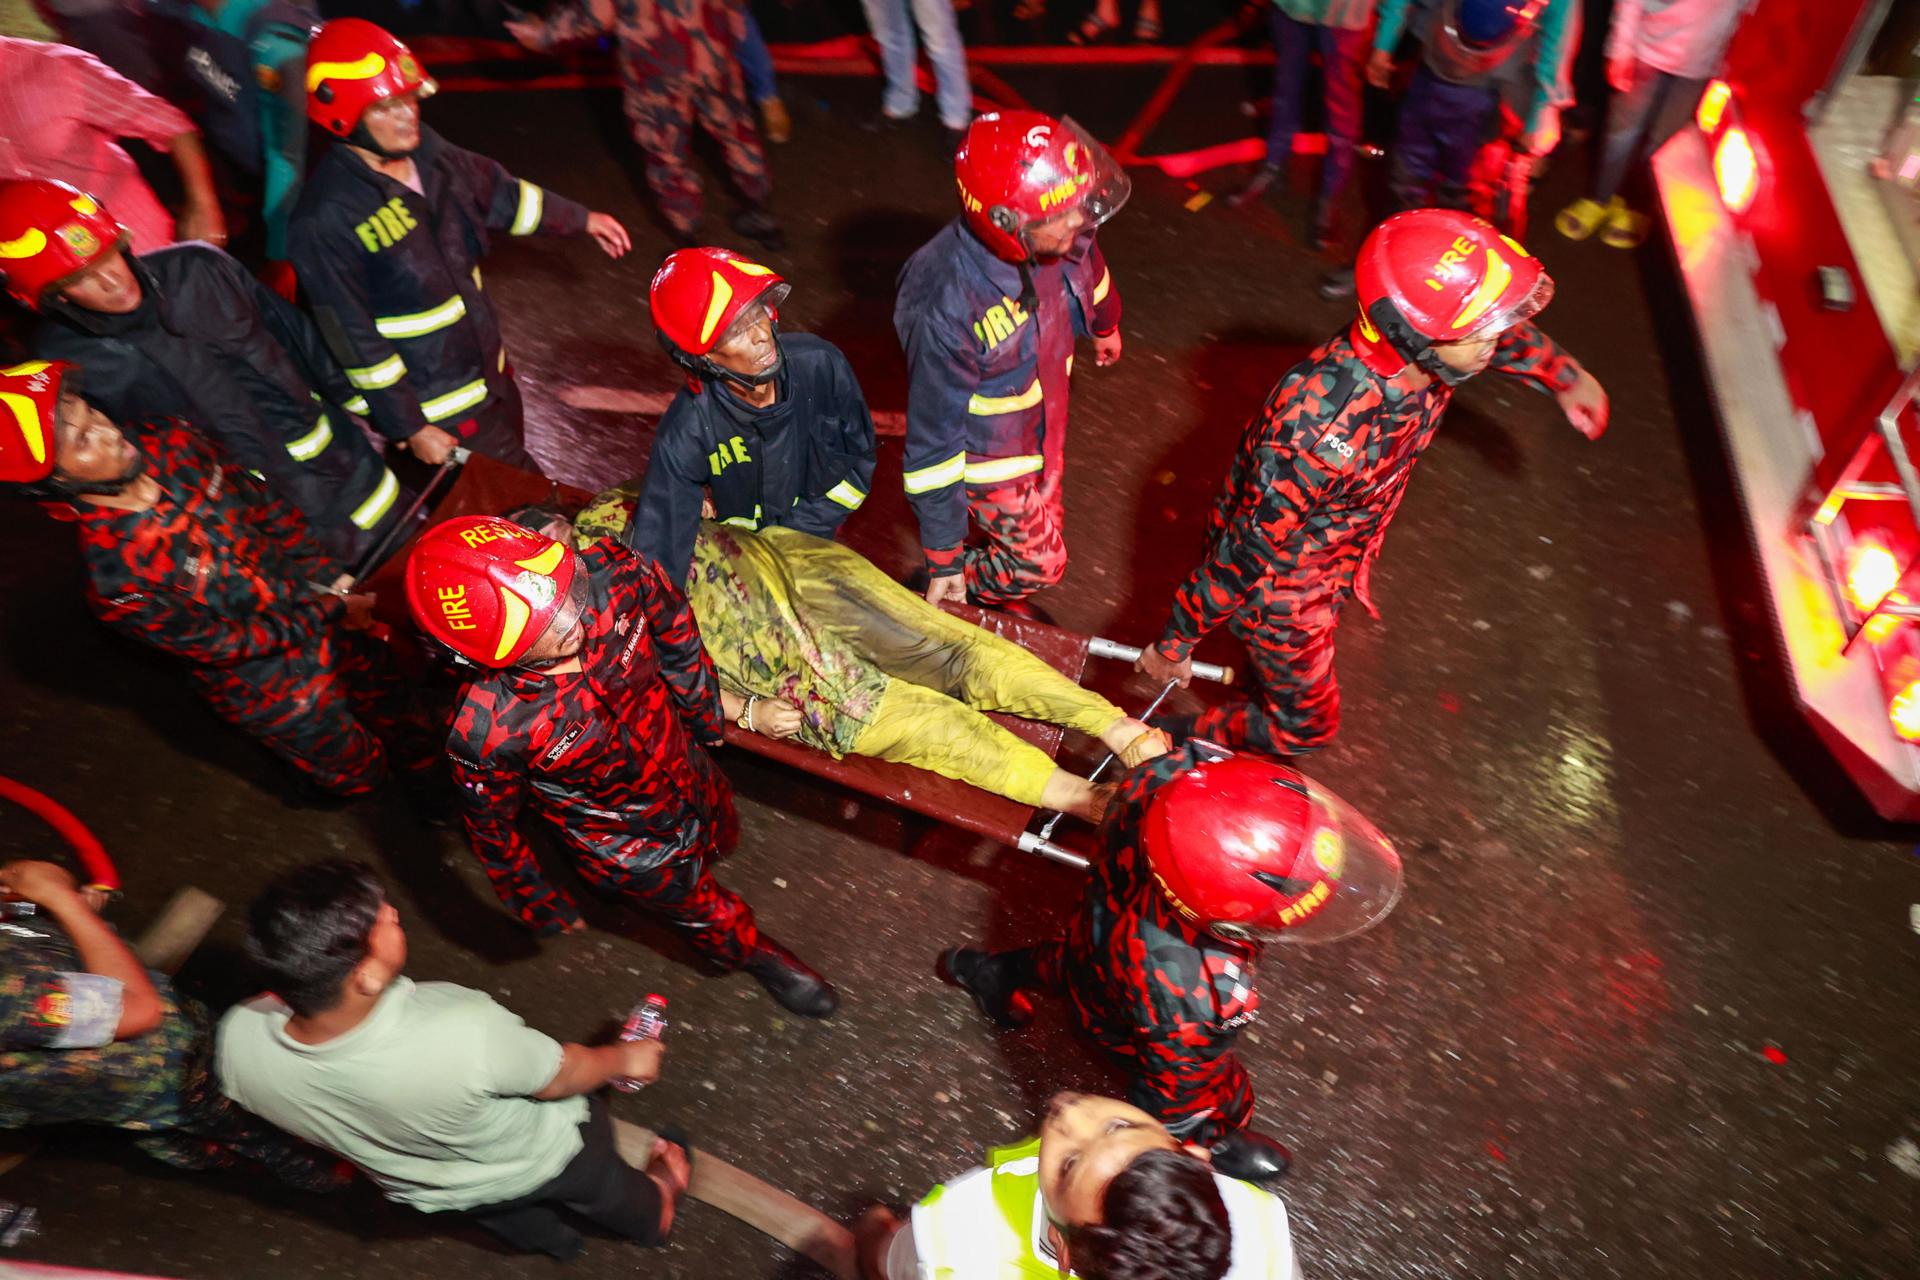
(1251, 1157)
(756, 224)
(992, 978)
(789, 980)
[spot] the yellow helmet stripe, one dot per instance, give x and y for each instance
(746, 268)
(1492, 285)
(546, 562)
(26, 370)
(83, 204)
(513, 621)
(716, 307)
(27, 246)
(27, 414)
(363, 68)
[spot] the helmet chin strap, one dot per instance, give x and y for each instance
(1430, 362)
(705, 367)
(66, 487)
(362, 138)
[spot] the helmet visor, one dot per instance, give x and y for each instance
(756, 313)
(1347, 874)
(1084, 191)
(1514, 302)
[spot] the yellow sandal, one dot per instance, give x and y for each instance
(1625, 229)
(1583, 217)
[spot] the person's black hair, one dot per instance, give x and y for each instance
(1162, 1219)
(309, 929)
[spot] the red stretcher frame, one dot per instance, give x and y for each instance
(489, 487)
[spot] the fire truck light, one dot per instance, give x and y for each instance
(1872, 573)
(1735, 171)
(1713, 105)
(1904, 711)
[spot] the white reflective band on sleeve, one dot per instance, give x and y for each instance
(847, 496)
(1105, 286)
(421, 323)
(476, 277)
(454, 401)
(988, 406)
(745, 522)
(995, 470)
(378, 503)
(359, 405)
(312, 444)
(526, 219)
(376, 376)
(937, 476)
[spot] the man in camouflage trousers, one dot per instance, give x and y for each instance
(677, 67)
(90, 1036)
(592, 697)
(192, 556)
(1323, 466)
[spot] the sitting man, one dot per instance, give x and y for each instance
(1104, 1192)
(446, 1100)
(811, 641)
(769, 430)
(189, 554)
(88, 1035)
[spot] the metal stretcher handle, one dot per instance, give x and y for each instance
(1033, 843)
(1101, 647)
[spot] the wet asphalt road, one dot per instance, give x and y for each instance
(1629, 878)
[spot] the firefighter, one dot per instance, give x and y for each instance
(770, 429)
(679, 65)
(387, 239)
(185, 332)
(1199, 863)
(1324, 463)
(190, 554)
(987, 313)
(592, 696)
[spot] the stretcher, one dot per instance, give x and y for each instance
(488, 487)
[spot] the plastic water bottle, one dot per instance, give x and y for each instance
(648, 1021)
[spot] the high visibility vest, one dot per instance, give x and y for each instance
(991, 1224)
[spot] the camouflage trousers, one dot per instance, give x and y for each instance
(663, 113)
(1023, 548)
(219, 1134)
(680, 888)
(341, 715)
(1296, 703)
(1189, 1081)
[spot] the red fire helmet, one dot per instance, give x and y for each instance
(1018, 169)
(48, 232)
(1252, 850)
(697, 294)
(29, 400)
(1436, 275)
(488, 589)
(352, 64)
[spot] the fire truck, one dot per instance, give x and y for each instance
(1792, 205)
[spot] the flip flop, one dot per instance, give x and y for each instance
(1583, 217)
(1625, 229)
(1146, 31)
(1093, 29)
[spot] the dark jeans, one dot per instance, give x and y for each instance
(1441, 128)
(1341, 56)
(1638, 121)
(596, 1184)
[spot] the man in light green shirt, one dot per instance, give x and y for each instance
(444, 1098)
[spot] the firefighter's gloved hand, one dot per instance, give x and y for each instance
(613, 237)
(1160, 669)
(431, 445)
(1106, 348)
(949, 586)
(1586, 406)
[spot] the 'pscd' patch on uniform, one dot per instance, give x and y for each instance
(1334, 452)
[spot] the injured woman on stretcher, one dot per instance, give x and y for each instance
(817, 644)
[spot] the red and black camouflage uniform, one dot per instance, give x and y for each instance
(1294, 533)
(1162, 995)
(677, 68)
(614, 756)
(225, 576)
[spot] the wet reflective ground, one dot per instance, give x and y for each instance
(1647, 1008)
